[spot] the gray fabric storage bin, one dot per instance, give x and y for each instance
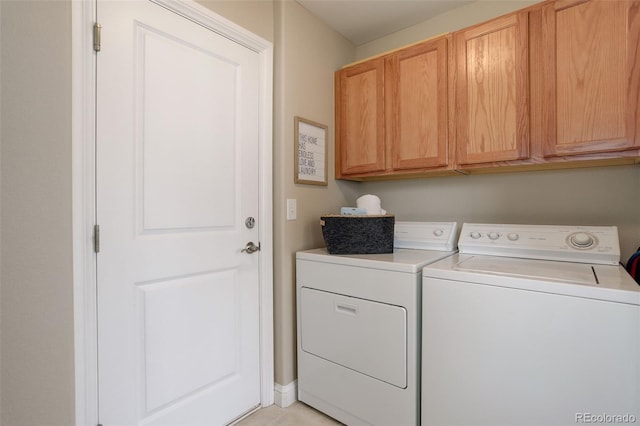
(358, 234)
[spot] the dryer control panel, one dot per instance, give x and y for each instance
(586, 244)
(425, 235)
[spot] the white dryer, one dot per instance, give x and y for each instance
(531, 325)
(359, 327)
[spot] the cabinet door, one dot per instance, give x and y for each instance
(360, 118)
(591, 76)
(416, 98)
(492, 91)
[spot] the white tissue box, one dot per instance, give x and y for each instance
(352, 211)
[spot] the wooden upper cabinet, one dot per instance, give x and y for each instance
(416, 106)
(492, 91)
(590, 76)
(554, 84)
(360, 133)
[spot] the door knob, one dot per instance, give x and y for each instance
(250, 248)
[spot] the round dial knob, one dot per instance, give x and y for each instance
(512, 236)
(581, 240)
(493, 235)
(438, 232)
(475, 235)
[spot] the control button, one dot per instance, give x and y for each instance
(438, 232)
(581, 240)
(512, 236)
(494, 235)
(475, 235)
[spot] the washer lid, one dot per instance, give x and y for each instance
(599, 282)
(578, 273)
(401, 260)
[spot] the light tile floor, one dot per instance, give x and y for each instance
(297, 414)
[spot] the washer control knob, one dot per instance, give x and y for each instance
(475, 235)
(512, 236)
(438, 232)
(493, 236)
(581, 240)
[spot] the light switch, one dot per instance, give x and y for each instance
(292, 208)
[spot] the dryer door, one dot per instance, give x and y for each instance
(363, 335)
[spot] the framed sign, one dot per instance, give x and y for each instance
(310, 152)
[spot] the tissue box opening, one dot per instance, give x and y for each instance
(357, 234)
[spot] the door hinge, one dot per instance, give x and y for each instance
(96, 238)
(97, 28)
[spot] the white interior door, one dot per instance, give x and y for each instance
(177, 175)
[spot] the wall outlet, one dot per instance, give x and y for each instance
(292, 209)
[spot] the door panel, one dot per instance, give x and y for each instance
(341, 328)
(177, 174)
(492, 91)
(417, 95)
(590, 76)
(360, 142)
(205, 131)
(180, 335)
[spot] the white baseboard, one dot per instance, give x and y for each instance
(286, 395)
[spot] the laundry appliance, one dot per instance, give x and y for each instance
(359, 326)
(531, 325)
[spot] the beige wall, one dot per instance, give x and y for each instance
(37, 370)
(307, 54)
(592, 196)
(253, 15)
(36, 312)
(37, 375)
(453, 20)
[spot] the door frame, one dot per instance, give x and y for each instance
(84, 195)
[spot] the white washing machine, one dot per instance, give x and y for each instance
(531, 325)
(359, 327)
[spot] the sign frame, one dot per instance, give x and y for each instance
(307, 162)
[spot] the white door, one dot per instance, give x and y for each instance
(177, 176)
